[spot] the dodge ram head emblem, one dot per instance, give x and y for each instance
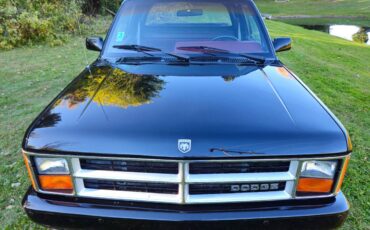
(184, 145)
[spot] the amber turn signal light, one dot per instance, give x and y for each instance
(29, 170)
(56, 183)
(342, 174)
(315, 185)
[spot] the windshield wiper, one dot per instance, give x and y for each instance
(226, 151)
(138, 48)
(146, 49)
(212, 51)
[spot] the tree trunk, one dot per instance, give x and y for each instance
(91, 7)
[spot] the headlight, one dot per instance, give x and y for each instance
(317, 177)
(53, 175)
(51, 166)
(319, 169)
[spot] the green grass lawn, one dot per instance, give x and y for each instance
(337, 70)
(316, 7)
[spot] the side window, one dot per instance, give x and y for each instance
(188, 13)
(255, 34)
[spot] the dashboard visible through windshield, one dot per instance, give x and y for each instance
(183, 27)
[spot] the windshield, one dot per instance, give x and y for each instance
(185, 26)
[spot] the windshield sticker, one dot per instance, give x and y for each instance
(120, 36)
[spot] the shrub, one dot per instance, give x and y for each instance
(28, 22)
(361, 36)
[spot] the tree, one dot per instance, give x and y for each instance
(113, 88)
(361, 36)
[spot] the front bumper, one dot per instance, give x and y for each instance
(68, 213)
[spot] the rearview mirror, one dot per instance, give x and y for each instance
(282, 44)
(190, 13)
(94, 43)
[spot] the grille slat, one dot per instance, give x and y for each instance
(130, 166)
(238, 167)
(132, 186)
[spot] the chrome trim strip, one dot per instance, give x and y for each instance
(239, 177)
(237, 197)
(127, 176)
(130, 196)
(71, 172)
(298, 174)
(289, 188)
(182, 161)
(183, 169)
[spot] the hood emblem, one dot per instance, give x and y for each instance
(184, 145)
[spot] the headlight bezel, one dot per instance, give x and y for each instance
(338, 177)
(36, 176)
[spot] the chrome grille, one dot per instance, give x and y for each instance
(184, 182)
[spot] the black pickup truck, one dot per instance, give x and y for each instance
(187, 120)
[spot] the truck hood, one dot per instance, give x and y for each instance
(144, 111)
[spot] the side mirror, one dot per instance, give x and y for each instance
(94, 43)
(282, 44)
